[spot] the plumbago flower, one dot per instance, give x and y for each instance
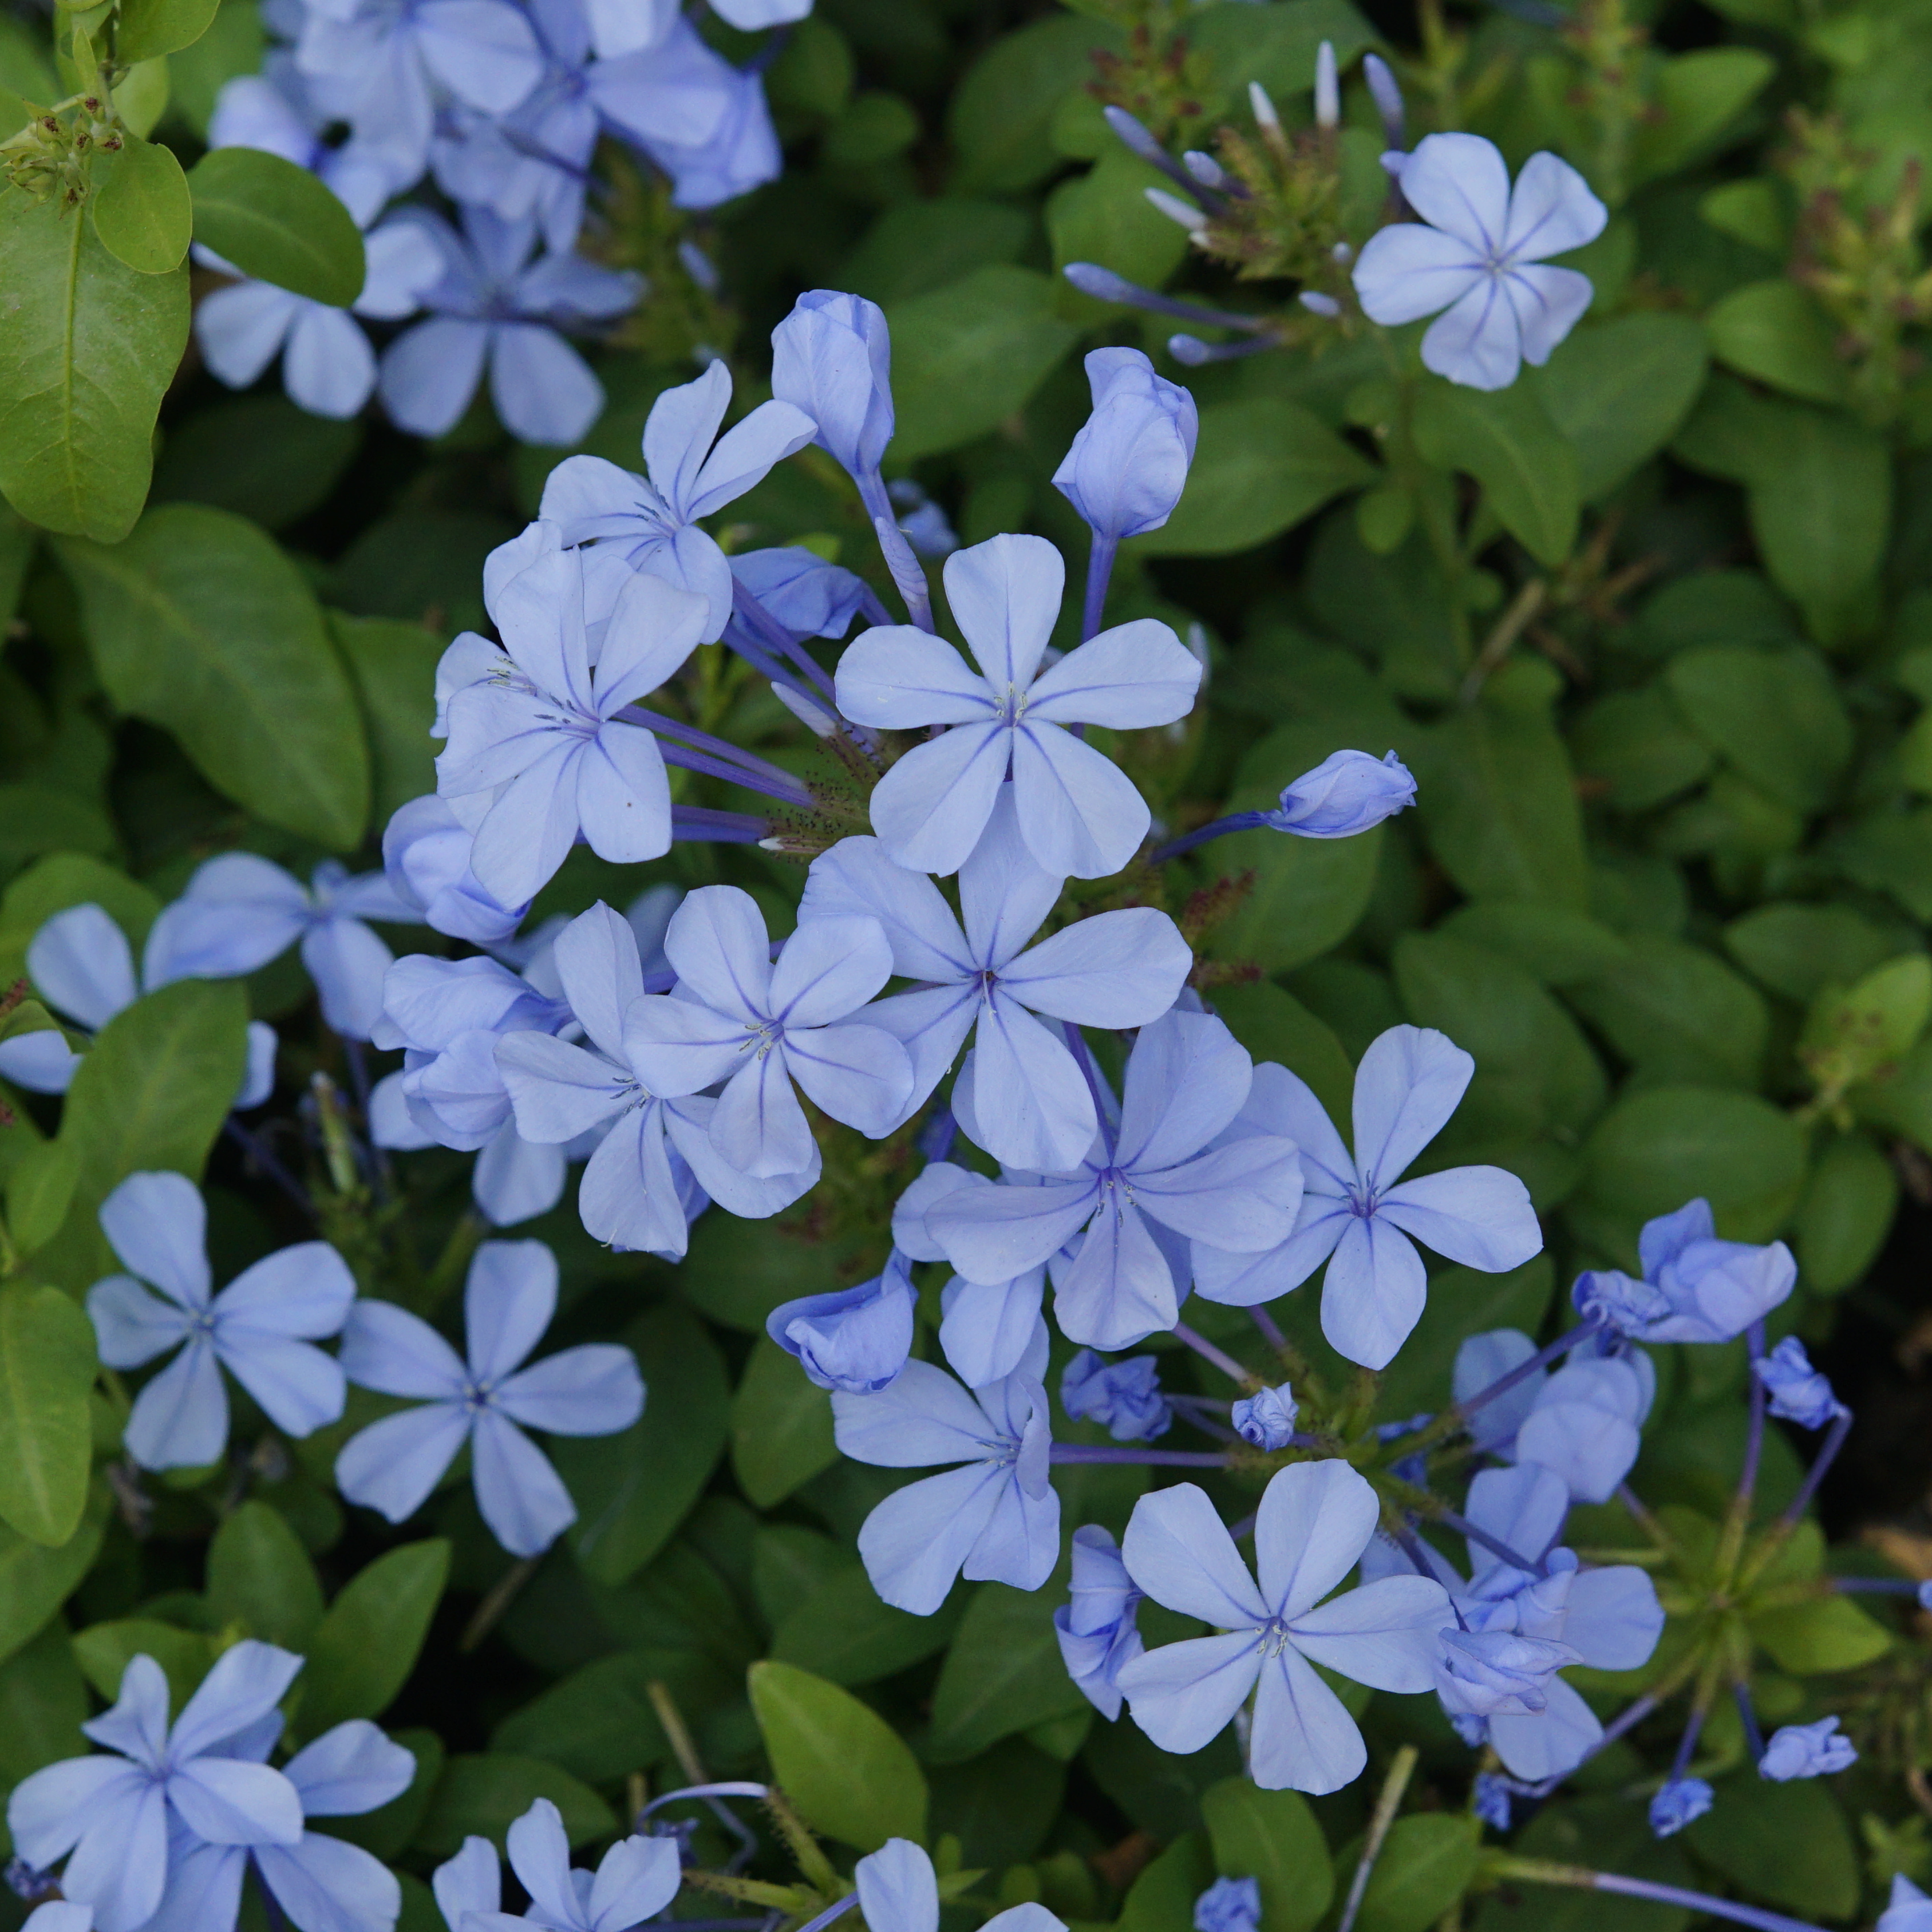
(1480, 253)
(486, 1403)
(899, 1891)
(1096, 1626)
(260, 1327)
(1315, 1520)
(637, 1878)
(1694, 1287)
(1359, 1210)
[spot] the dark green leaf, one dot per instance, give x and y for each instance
(599, 1723)
(1637, 744)
(482, 1794)
(368, 1643)
(1004, 1672)
(1273, 1024)
(258, 455)
(1798, 950)
(104, 1652)
(842, 1631)
(35, 1581)
(1773, 331)
(1679, 1013)
(1775, 714)
(394, 666)
(47, 1367)
(63, 880)
(1505, 439)
(43, 1705)
(149, 29)
(39, 1189)
(1272, 1838)
(1001, 116)
(1786, 1843)
(1104, 216)
(260, 1576)
(278, 223)
(1427, 1861)
(780, 1427)
(1161, 1899)
(1618, 390)
(140, 207)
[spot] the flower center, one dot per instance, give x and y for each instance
(1275, 1638)
(1012, 706)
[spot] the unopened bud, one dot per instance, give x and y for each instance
(1176, 210)
(1388, 94)
(1318, 304)
(1328, 87)
(1266, 119)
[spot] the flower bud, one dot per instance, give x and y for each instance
(1807, 1751)
(426, 858)
(856, 1340)
(1123, 1397)
(1347, 793)
(832, 358)
(1266, 1420)
(1128, 465)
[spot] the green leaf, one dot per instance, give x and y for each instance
(780, 1427)
(1699, 96)
(1104, 216)
(151, 1092)
(1273, 1024)
(1830, 1634)
(1275, 45)
(1773, 331)
(738, 1271)
(149, 29)
(47, 1367)
(1637, 744)
(845, 1768)
(366, 1645)
(278, 223)
(35, 1581)
(232, 46)
(483, 1794)
(1678, 1013)
(393, 665)
(1889, 851)
(1618, 390)
(39, 1187)
(104, 1652)
(1775, 714)
(1557, 945)
(87, 348)
(1845, 1215)
(1161, 1898)
(1822, 514)
(140, 206)
(36, 819)
(1604, 1834)
(42, 1704)
(632, 1490)
(966, 357)
(1427, 1861)
(260, 1576)
(1786, 1843)
(1261, 467)
(1004, 1672)
(1855, 1033)
(258, 455)
(1272, 1838)
(1000, 118)
(842, 1632)
(1505, 438)
(599, 1723)
(1797, 950)
(66, 879)
(201, 624)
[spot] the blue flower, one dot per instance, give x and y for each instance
(276, 110)
(1266, 1420)
(1807, 1751)
(758, 1023)
(739, 153)
(1479, 253)
(629, 523)
(121, 1816)
(1694, 1288)
(1229, 1905)
(637, 1878)
(1095, 1625)
(809, 597)
(1079, 814)
(997, 1516)
(426, 851)
(1359, 1209)
(493, 305)
(258, 1328)
(899, 1891)
(537, 753)
(1908, 1910)
(392, 1466)
(857, 1338)
(1315, 1520)
(1584, 1423)
(1123, 1397)
(1679, 1802)
(1347, 793)
(1799, 1393)
(1491, 1803)
(1148, 1185)
(240, 911)
(921, 520)
(1128, 463)
(1118, 969)
(832, 358)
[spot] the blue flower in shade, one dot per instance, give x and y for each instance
(1807, 1751)
(1694, 1287)
(486, 1402)
(1095, 1625)
(240, 911)
(627, 522)
(740, 153)
(1123, 1397)
(899, 1891)
(1347, 793)
(59, 1915)
(637, 1878)
(1079, 814)
(1799, 1393)
(809, 597)
(1358, 1209)
(1491, 1803)
(984, 979)
(1315, 1520)
(119, 1819)
(81, 964)
(921, 520)
(1149, 1185)
(1479, 252)
(1229, 1905)
(276, 110)
(997, 1516)
(1908, 1909)
(1586, 1421)
(259, 1328)
(493, 306)
(426, 851)
(1682, 1801)
(1266, 1420)
(856, 1338)
(1128, 463)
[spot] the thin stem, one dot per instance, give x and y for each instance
(1748, 1711)
(1533, 1566)
(1687, 1743)
(677, 1733)
(1270, 1329)
(1166, 1459)
(1886, 1586)
(1502, 1386)
(1640, 1514)
(830, 1913)
(502, 1594)
(1099, 571)
(720, 828)
(1841, 1427)
(1207, 1351)
(1091, 279)
(770, 780)
(1628, 1719)
(1393, 1785)
(1538, 1871)
(1509, 626)
(757, 619)
(907, 575)
(1754, 1440)
(1236, 821)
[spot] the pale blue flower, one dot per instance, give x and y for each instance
(832, 358)
(921, 521)
(1694, 1287)
(997, 1516)
(487, 1402)
(538, 754)
(426, 851)
(854, 1338)
(740, 153)
(1148, 1185)
(1799, 1393)
(637, 1878)
(1123, 1397)
(809, 597)
(1682, 1801)
(1909, 1909)
(1266, 1420)
(1347, 793)
(757, 1024)
(1315, 1520)
(982, 979)
(1807, 1751)
(1491, 1803)
(986, 1326)
(1229, 1905)
(1078, 813)
(1479, 253)
(60, 1916)
(1128, 463)
(259, 1328)
(899, 1891)
(120, 1815)
(1096, 1625)
(1361, 1211)
(1584, 1423)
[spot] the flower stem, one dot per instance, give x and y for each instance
(1841, 1427)
(1168, 1459)
(1237, 821)
(1540, 1871)
(1393, 1785)
(1533, 1566)
(1099, 570)
(1459, 1412)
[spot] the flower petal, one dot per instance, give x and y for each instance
(521, 1496)
(392, 1466)
(1460, 183)
(1552, 210)
(1315, 1521)
(592, 1390)
(180, 1419)
(899, 679)
(1304, 1738)
(508, 1302)
(1374, 1292)
(1178, 1551)
(1005, 594)
(388, 1349)
(913, 1543)
(1409, 1082)
(930, 809)
(157, 1224)
(1386, 1633)
(1079, 813)
(132, 1327)
(829, 968)
(623, 796)
(1183, 1695)
(717, 945)
(1407, 271)
(1133, 676)
(1480, 1217)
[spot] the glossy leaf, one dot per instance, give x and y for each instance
(848, 1772)
(140, 207)
(47, 1366)
(277, 223)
